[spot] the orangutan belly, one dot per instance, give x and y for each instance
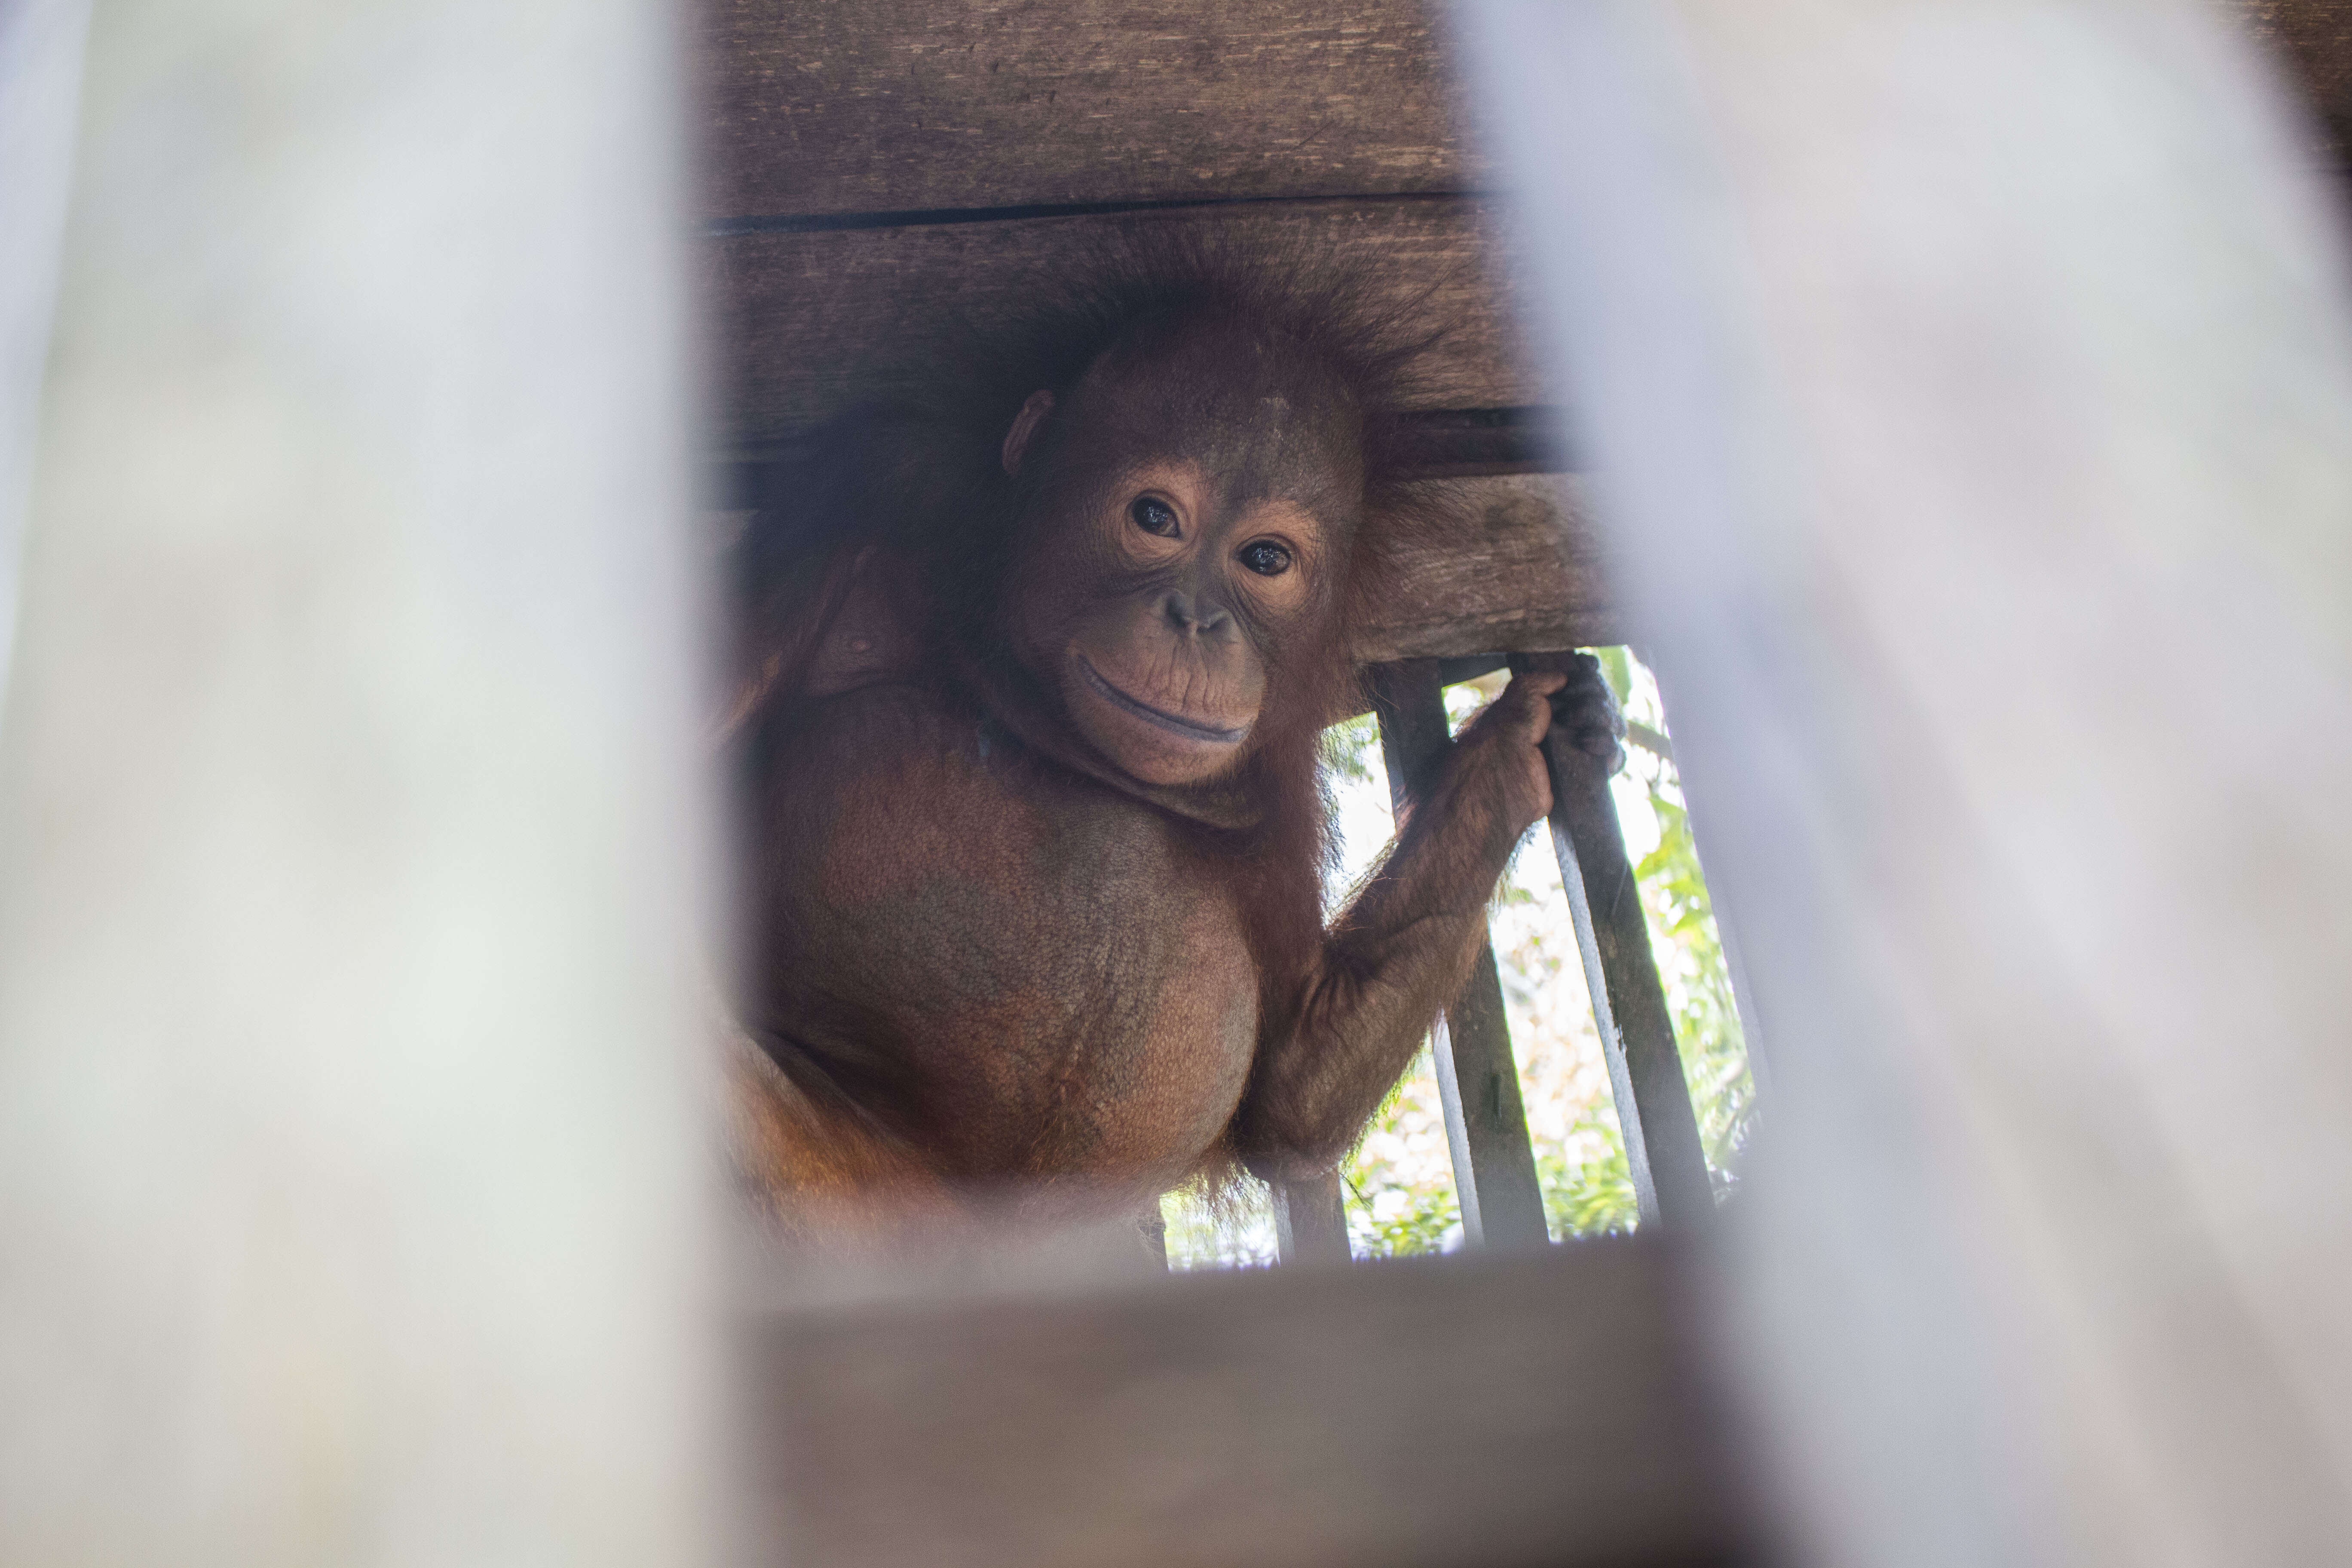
(1023, 972)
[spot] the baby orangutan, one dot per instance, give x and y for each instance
(1034, 831)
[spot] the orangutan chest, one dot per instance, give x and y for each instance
(1050, 977)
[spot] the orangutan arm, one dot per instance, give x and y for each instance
(1404, 949)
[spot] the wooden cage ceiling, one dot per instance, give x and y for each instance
(870, 163)
(867, 167)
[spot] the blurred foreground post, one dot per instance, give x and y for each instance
(1969, 390)
(40, 75)
(349, 1199)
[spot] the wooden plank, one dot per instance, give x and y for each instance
(1485, 443)
(1477, 1080)
(1425, 1413)
(902, 104)
(897, 104)
(1438, 443)
(1310, 1221)
(1522, 574)
(1629, 1003)
(810, 324)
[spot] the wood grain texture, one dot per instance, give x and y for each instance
(897, 104)
(809, 325)
(1409, 1415)
(838, 109)
(903, 104)
(2311, 40)
(1523, 574)
(1436, 444)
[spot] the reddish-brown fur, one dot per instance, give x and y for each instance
(1034, 838)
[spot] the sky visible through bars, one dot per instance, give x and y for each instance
(1400, 1197)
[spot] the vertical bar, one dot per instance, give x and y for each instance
(40, 82)
(353, 1114)
(2015, 1184)
(1628, 1005)
(1310, 1220)
(1477, 1080)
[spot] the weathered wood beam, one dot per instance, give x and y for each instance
(895, 104)
(1545, 1408)
(900, 104)
(1522, 575)
(1440, 443)
(808, 324)
(1484, 443)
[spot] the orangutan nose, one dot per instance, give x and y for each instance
(1197, 617)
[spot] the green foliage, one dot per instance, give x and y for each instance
(1686, 944)
(1698, 989)
(1617, 665)
(1348, 748)
(1591, 1196)
(1400, 1197)
(1399, 1222)
(1220, 1227)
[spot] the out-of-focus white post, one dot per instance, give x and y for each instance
(40, 73)
(350, 1196)
(1971, 392)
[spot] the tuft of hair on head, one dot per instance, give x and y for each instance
(923, 468)
(1125, 289)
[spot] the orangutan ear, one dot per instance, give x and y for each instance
(1025, 425)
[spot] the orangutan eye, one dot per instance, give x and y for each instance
(1154, 516)
(1265, 558)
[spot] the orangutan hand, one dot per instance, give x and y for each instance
(1585, 713)
(1497, 774)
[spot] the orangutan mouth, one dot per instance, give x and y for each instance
(1190, 728)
